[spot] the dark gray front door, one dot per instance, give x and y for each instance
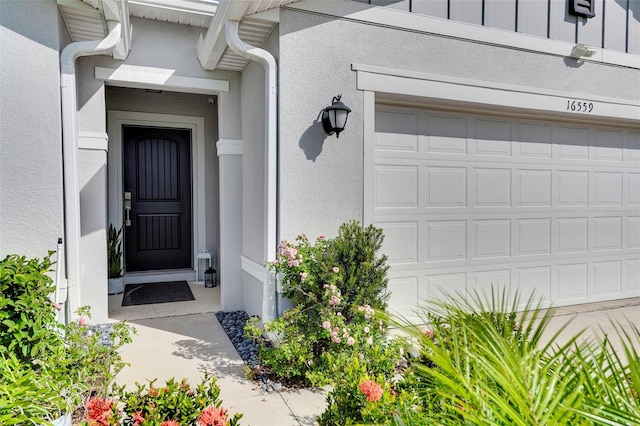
(157, 175)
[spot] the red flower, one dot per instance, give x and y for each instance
(213, 416)
(371, 390)
(153, 392)
(99, 411)
(170, 423)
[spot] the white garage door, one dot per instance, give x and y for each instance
(467, 201)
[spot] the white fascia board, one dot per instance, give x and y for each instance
(229, 147)
(198, 7)
(158, 78)
(415, 22)
(213, 44)
(98, 141)
(271, 15)
(515, 98)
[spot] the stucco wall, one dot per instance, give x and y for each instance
(321, 177)
(31, 215)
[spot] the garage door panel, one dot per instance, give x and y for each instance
(572, 143)
(607, 278)
(534, 188)
(400, 242)
(446, 134)
(405, 291)
(396, 186)
(572, 281)
(397, 130)
(573, 188)
(572, 235)
(631, 152)
(633, 275)
(492, 238)
(492, 187)
(533, 205)
(446, 186)
(633, 189)
(492, 137)
(533, 237)
(607, 188)
(608, 145)
(446, 240)
(607, 233)
(534, 141)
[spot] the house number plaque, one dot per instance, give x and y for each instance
(575, 105)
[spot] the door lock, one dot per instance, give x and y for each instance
(127, 208)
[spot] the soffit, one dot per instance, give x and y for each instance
(253, 29)
(195, 13)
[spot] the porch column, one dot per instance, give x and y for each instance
(230, 168)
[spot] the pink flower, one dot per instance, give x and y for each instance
(303, 276)
(57, 307)
(326, 325)
(170, 423)
(371, 390)
(213, 416)
(351, 341)
(321, 237)
(336, 269)
(82, 322)
(137, 418)
(429, 333)
(366, 329)
(369, 341)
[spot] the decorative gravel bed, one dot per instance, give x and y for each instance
(233, 324)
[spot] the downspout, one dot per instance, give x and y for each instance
(271, 78)
(70, 154)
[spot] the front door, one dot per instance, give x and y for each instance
(157, 182)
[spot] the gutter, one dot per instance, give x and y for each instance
(70, 155)
(271, 77)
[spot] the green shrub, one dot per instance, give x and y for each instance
(28, 326)
(47, 368)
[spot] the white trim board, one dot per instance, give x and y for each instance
(158, 78)
(115, 121)
(410, 83)
(408, 21)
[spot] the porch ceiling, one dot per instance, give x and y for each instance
(87, 20)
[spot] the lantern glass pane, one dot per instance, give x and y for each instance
(341, 119)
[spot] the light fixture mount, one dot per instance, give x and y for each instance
(334, 117)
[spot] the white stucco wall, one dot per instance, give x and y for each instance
(31, 215)
(321, 177)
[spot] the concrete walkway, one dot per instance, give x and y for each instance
(190, 345)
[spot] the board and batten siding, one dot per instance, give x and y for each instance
(615, 26)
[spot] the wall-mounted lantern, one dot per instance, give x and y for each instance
(334, 117)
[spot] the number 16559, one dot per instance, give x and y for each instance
(579, 106)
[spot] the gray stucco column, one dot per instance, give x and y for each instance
(230, 167)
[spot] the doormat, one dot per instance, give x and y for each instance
(149, 293)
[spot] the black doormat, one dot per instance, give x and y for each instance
(148, 293)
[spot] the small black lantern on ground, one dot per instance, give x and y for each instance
(334, 117)
(210, 278)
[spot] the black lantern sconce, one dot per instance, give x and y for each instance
(334, 117)
(210, 278)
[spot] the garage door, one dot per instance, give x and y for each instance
(468, 201)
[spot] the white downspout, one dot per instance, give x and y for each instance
(271, 78)
(70, 153)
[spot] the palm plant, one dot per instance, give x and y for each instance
(486, 361)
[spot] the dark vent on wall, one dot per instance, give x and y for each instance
(582, 8)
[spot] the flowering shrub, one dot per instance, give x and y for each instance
(176, 403)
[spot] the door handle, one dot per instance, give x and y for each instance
(127, 208)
